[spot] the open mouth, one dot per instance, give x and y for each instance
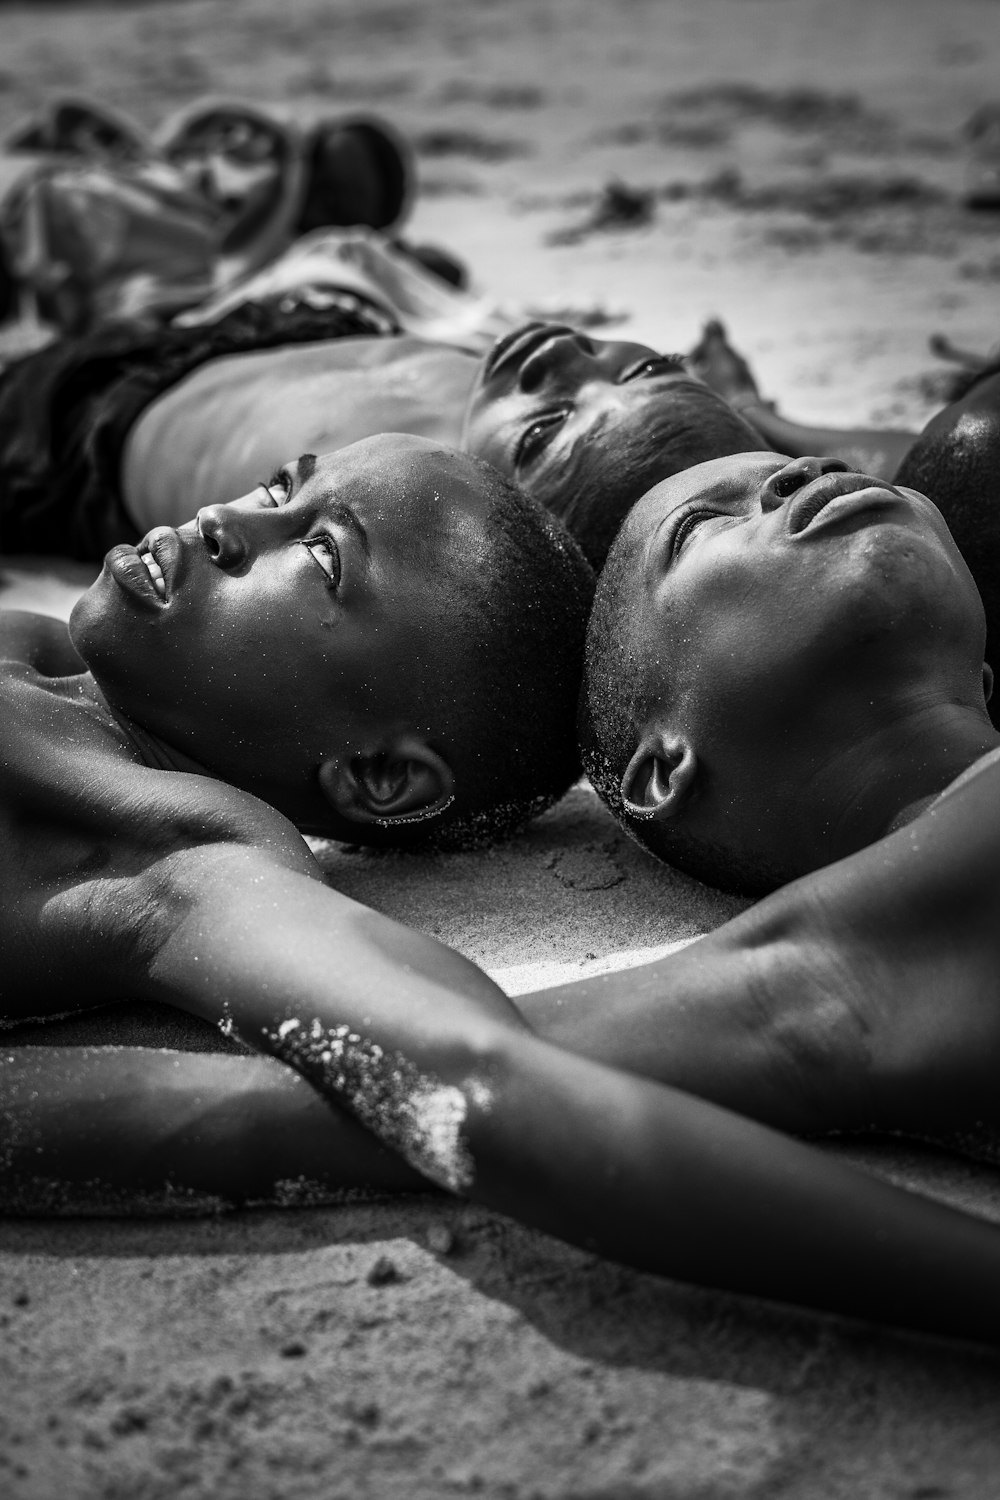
(814, 498)
(155, 573)
(159, 552)
(149, 572)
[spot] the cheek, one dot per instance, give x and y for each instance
(487, 430)
(745, 632)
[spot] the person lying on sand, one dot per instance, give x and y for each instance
(104, 437)
(109, 436)
(149, 855)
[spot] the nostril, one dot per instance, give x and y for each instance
(786, 484)
(208, 535)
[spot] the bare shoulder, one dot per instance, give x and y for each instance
(97, 847)
(957, 838)
(37, 641)
(86, 780)
(934, 883)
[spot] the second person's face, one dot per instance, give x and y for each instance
(545, 391)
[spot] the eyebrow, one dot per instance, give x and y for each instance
(305, 468)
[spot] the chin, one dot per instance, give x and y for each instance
(84, 619)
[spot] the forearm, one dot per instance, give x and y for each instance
(132, 1131)
(654, 1178)
(262, 945)
(312, 978)
(289, 964)
(875, 451)
(667, 1183)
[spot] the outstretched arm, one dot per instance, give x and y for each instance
(129, 1131)
(861, 996)
(437, 1065)
(435, 1062)
(875, 451)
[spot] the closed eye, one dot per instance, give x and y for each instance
(326, 555)
(687, 527)
(536, 435)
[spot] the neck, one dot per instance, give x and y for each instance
(885, 779)
(146, 747)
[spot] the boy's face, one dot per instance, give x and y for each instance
(776, 599)
(549, 402)
(299, 621)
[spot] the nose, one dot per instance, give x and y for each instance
(793, 477)
(565, 354)
(221, 528)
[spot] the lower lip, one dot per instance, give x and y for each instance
(132, 576)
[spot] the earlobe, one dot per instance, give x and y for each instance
(987, 681)
(660, 777)
(406, 782)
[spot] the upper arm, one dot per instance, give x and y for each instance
(863, 993)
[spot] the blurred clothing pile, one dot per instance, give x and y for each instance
(227, 203)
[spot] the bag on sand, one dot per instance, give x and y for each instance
(99, 222)
(93, 243)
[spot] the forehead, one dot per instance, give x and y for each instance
(402, 490)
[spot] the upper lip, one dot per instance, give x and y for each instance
(815, 496)
(519, 343)
(165, 547)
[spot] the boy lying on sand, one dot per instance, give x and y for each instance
(131, 872)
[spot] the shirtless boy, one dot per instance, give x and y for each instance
(104, 438)
(133, 870)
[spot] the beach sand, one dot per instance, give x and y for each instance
(802, 166)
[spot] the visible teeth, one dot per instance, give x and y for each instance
(155, 573)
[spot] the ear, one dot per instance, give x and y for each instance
(660, 777)
(987, 681)
(406, 782)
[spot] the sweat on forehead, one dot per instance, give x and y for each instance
(393, 467)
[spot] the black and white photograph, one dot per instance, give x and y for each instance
(499, 769)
